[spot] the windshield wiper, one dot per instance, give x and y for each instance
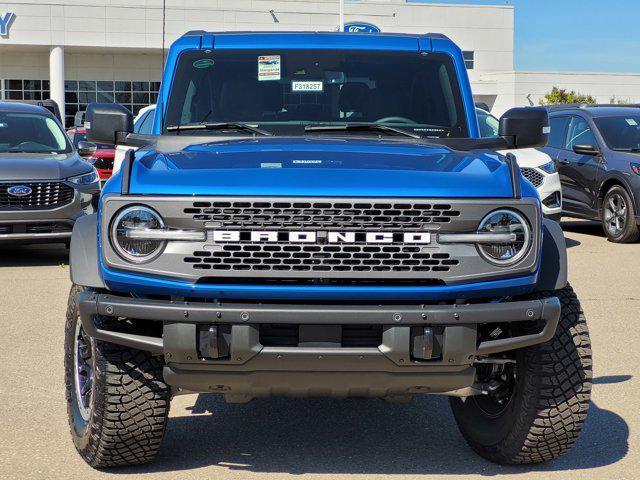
(350, 127)
(218, 126)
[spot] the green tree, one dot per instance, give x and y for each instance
(559, 96)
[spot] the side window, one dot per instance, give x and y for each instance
(580, 133)
(488, 124)
(146, 124)
(138, 125)
(558, 131)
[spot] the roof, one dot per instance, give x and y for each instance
(598, 110)
(431, 35)
(312, 40)
(22, 107)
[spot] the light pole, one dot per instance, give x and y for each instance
(341, 15)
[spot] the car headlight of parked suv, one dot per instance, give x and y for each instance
(511, 250)
(86, 178)
(125, 227)
(549, 167)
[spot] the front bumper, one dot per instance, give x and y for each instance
(249, 368)
(48, 225)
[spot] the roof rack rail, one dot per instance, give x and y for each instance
(566, 106)
(569, 106)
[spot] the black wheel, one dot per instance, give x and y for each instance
(538, 404)
(117, 401)
(619, 216)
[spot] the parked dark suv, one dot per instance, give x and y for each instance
(597, 152)
(44, 184)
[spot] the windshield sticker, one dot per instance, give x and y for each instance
(306, 87)
(269, 67)
(632, 122)
(203, 63)
(271, 165)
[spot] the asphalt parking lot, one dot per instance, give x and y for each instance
(315, 438)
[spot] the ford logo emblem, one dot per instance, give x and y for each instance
(360, 27)
(19, 191)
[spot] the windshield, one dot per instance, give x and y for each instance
(31, 133)
(282, 91)
(489, 125)
(620, 133)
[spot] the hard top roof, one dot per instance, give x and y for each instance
(196, 33)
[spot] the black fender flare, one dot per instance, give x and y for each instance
(83, 257)
(553, 265)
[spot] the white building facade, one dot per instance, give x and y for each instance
(82, 51)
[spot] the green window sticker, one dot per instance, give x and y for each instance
(203, 63)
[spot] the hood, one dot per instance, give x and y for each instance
(529, 157)
(33, 166)
(320, 167)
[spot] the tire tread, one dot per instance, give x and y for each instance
(130, 405)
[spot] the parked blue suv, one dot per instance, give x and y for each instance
(316, 215)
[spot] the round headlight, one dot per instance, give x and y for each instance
(136, 218)
(505, 253)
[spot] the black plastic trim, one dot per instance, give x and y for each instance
(91, 304)
(127, 165)
(83, 257)
(553, 267)
(515, 174)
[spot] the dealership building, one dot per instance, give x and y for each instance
(82, 51)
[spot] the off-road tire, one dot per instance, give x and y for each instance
(630, 233)
(550, 400)
(129, 402)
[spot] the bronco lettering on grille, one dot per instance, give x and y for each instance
(273, 236)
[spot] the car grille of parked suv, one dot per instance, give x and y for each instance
(43, 196)
(535, 177)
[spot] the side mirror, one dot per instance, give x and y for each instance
(108, 123)
(525, 127)
(86, 149)
(586, 150)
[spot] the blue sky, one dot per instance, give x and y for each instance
(573, 35)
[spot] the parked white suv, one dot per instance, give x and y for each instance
(536, 166)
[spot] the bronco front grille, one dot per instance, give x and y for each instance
(322, 258)
(535, 177)
(347, 241)
(322, 215)
(43, 196)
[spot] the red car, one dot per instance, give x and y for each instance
(101, 158)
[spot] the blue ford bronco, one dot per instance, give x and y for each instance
(316, 215)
